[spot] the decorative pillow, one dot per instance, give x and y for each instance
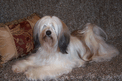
(33, 19)
(23, 37)
(7, 45)
(16, 38)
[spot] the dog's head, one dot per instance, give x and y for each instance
(51, 34)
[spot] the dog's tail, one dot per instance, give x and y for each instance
(97, 49)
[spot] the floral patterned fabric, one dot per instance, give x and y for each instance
(23, 37)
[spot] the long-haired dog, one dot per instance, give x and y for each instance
(58, 51)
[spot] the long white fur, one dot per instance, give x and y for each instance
(45, 65)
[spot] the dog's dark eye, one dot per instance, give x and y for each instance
(44, 26)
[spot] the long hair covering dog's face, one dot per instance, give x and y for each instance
(51, 34)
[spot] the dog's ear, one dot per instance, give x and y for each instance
(36, 43)
(64, 39)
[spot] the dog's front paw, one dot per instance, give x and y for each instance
(17, 69)
(37, 74)
(31, 74)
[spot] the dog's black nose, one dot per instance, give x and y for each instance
(48, 32)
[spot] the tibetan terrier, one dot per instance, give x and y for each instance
(58, 51)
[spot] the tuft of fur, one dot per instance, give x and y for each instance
(97, 49)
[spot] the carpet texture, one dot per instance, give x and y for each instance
(75, 13)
